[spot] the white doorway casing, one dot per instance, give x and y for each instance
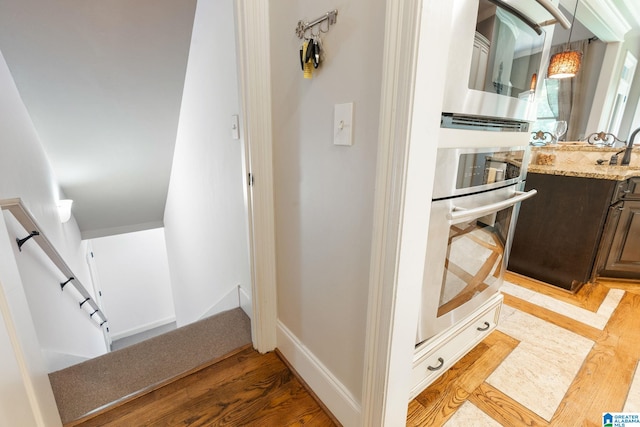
(254, 66)
(409, 126)
(97, 290)
(204, 217)
(416, 45)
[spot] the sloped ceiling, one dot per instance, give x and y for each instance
(102, 81)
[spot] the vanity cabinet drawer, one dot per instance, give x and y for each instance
(435, 356)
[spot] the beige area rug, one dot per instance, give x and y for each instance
(98, 383)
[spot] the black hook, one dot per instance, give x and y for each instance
(91, 315)
(87, 299)
(23, 240)
(62, 285)
(103, 322)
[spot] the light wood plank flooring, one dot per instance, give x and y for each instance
(601, 385)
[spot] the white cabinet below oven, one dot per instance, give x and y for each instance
(436, 355)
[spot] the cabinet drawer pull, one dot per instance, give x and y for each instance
(486, 326)
(435, 368)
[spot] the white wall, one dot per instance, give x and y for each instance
(631, 119)
(323, 192)
(52, 320)
(24, 384)
(133, 274)
(65, 332)
(205, 219)
(14, 401)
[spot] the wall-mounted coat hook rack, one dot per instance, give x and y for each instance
(302, 27)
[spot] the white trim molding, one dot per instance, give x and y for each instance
(338, 399)
(400, 51)
(412, 93)
(144, 328)
(602, 18)
(254, 67)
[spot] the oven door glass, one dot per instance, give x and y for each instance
(474, 258)
(469, 242)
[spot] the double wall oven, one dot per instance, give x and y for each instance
(475, 202)
(498, 50)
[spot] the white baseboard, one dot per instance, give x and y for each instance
(338, 399)
(229, 301)
(56, 361)
(245, 302)
(142, 328)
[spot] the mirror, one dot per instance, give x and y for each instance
(598, 102)
(570, 99)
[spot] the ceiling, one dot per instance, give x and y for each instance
(102, 81)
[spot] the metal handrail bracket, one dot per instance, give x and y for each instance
(29, 223)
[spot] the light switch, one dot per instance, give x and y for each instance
(235, 127)
(343, 124)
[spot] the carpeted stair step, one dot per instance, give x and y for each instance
(94, 386)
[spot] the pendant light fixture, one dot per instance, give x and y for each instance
(566, 63)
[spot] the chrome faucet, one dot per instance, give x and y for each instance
(626, 158)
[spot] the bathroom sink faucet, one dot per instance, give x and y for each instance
(626, 158)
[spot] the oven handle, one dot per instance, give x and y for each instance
(461, 214)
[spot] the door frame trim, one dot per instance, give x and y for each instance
(411, 106)
(254, 68)
(392, 306)
(379, 407)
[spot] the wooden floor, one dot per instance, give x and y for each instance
(249, 389)
(602, 382)
(246, 389)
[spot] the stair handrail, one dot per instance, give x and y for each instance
(29, 223)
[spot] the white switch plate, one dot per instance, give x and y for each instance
(343, 124)
(235, 127)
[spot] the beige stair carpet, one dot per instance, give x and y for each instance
(109, 379)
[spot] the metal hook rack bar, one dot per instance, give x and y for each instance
(331, 17)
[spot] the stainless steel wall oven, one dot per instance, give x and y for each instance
(498, 55)
(476, 195)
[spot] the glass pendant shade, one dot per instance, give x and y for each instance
(564, 64)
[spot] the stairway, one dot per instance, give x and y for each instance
(89, 388)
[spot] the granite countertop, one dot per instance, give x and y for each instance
(579, 160)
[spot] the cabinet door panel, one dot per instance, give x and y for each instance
(558, 231)
(624, 257)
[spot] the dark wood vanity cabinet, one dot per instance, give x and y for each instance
(619, 253)
(558, 232)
